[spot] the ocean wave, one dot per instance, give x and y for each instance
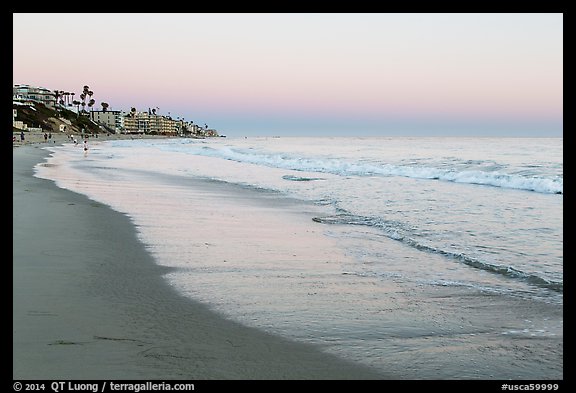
(301, 178)
(484, 176)
(395, 230)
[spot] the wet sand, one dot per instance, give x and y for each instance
(89, 302)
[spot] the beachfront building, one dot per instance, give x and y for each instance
(210, 132)
(27, 94)
(111, 120)
(162, 125)
(148, 123)
(18, 123)
(134, 124)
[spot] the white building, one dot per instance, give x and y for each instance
(111, 119)
(27, 93)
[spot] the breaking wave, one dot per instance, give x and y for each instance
(473, 175)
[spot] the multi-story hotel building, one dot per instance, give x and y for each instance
(147, 123)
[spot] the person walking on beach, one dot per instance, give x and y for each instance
(45, 137)
(21, 136)
(85, 146)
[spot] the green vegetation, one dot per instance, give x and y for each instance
(41, 116)
(38, 115)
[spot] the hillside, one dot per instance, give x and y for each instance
(50, 120)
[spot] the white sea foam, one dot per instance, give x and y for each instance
(388, 268)
(344, 167)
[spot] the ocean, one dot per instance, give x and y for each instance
(424, 257)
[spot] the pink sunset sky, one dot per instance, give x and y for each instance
(320, 74)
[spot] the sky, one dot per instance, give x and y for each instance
(471, 74)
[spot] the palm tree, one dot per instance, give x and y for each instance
(91, 103)
(56, 95)
(77, 103)
(104, 106)
(73, 94)
(85, 91)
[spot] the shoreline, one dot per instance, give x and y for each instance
(89, 302)
(37, 138)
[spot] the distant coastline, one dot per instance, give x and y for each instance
(40, 109)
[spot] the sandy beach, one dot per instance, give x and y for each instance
(89, 302)
(37, 138)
